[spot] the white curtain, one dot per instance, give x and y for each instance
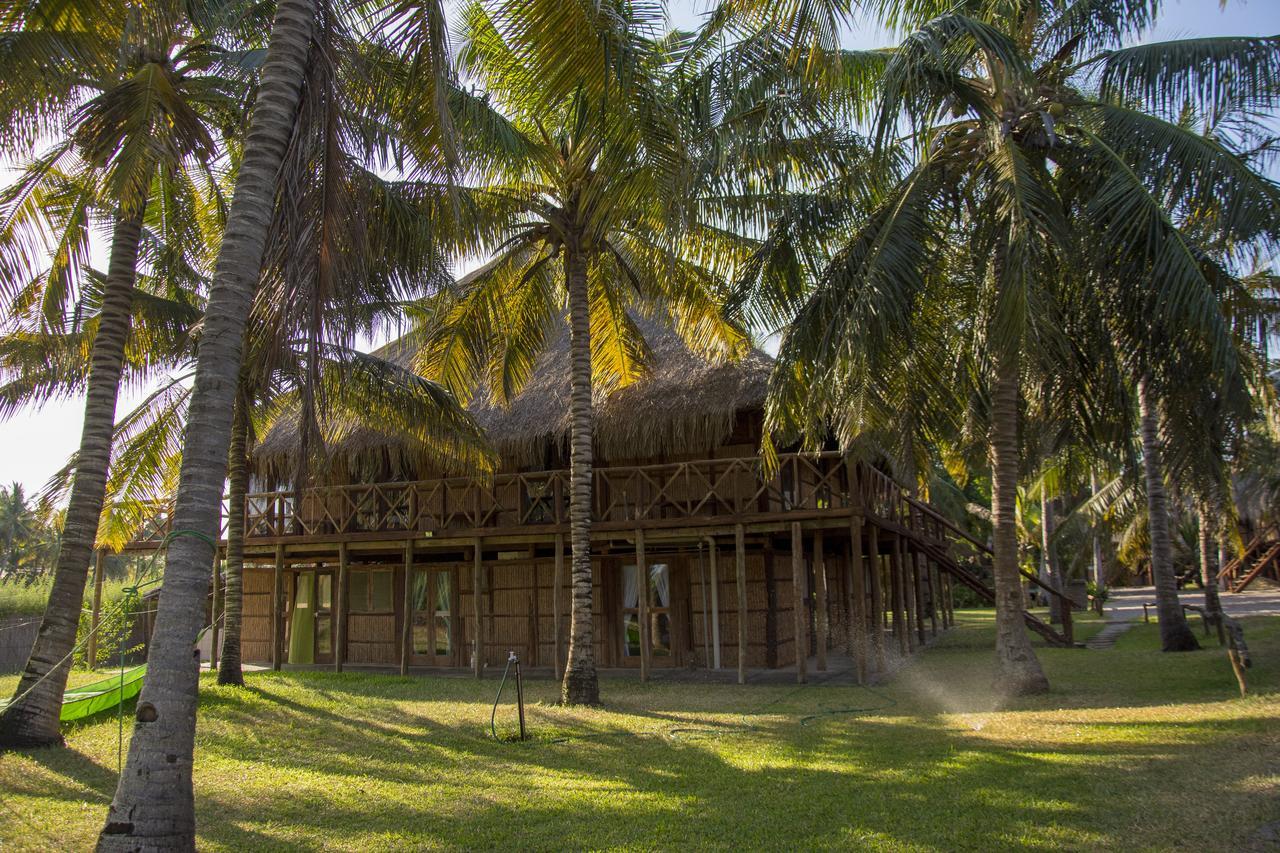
(630, 593)
(660, 580)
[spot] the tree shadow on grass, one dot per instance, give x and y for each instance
(432, 780)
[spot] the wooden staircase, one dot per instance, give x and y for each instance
(1259, 554)
(933, 533)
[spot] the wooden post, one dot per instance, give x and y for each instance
(557, 591)
(277, 615)
(900, 628)
(99, 567)
(739, 538)
(477, 663)
(642, 589)
(919, 574)
(877, 597)
(858, 605)
(931, 570)
(820, 599)
(715, 606)
(801, 638)
(406, 632)
(340, 608)
(213, 614)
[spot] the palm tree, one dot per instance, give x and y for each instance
(1013, 156)
(17, 523)
(138, 89)
(573, 190)
(153, 804)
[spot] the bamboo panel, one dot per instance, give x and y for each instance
(362, 652)
(257, 580)
(255, 651)
(511, 602)
(254, 628)
(257, 604)
(512, 576)
(363, 628)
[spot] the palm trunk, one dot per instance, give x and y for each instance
(229, 670)
(1099, 571)
(580, 686)
(34, 720)
(1175, 633)
(1018, 670)
(1048, 524)
(154, 806)
(1209, 571)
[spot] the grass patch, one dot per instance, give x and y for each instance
(1132, 749)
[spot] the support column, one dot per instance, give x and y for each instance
(858, 602)
(715, 606)
(919, 575)
(477, 662)
(642, 595)
(909, 601)
(801, 639)
(406, 632)
(877, 597)
(739, 538)
(277, 614)
(340, 608)
(820, 599)
(932, 568)
(557, 592)
(99, 568)
(898, 596)
(213, 613)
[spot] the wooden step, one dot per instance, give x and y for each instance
(973, 582)
(1265, 560)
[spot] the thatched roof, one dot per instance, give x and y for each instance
(684, 404)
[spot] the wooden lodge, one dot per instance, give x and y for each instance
(390, 564)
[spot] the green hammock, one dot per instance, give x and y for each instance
(100, 695)
(94, 698)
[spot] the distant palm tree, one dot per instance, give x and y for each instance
(1013, 155)
(17, 523)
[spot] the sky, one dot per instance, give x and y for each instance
(35, 443)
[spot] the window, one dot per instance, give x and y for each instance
(659, 592)
(324, 609)
(372, 591)
(432, 597)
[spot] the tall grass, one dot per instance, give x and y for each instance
(19, 599)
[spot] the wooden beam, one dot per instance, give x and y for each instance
(477, 662)
(557, 611)
(899, 601)
(909, 589)
(642, 587)
(406, 633)
(922, 612)
(715, 606)
(99, 568)
(801, 638)
(277, 616)
(877, 597)
(213, 614)
(820, 599)
(340, 608)
(739, 540)
(858, 603)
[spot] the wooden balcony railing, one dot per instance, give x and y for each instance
(677, 493)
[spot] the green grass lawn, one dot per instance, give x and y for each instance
(1133, 749)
